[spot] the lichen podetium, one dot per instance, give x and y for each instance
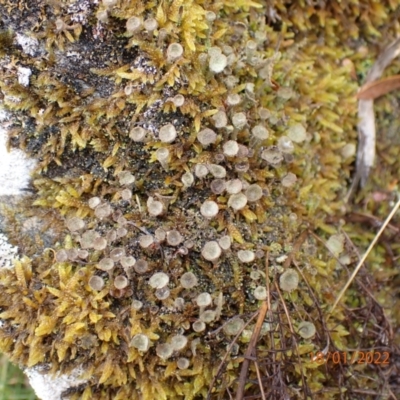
(180, 144)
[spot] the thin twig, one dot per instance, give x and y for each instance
(267, 281)
(216, 331)
(260, 380)
(265, 306)
(355, 249)
(219, 370)
(344, 265)
(392, 395)
(374, 221)
(250, 348)
(295, 341)
(370, 392)
(270, 315)
(321, 317)
(296, 248)
(363, 258)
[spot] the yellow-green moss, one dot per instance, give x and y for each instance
(92, 82)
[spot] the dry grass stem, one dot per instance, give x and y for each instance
(221, 365)
(363, 258)
(294, 339)
(260, 380)
(250, 351)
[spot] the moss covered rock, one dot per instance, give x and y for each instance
(193, 157)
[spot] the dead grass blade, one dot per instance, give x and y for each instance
(260, 380)
(251, 350)
(303, 379)
(221, 365)
(373, 90)
(364, 257)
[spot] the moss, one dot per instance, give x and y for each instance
(6, 41)
(92, 83)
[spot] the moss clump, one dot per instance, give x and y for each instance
(95, 115)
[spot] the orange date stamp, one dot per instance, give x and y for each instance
(350, 358)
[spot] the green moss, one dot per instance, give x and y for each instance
(92, 82)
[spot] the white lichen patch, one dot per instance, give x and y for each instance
(48, 387)
(23, 76)
(15, 166)
(7, 252)
(29, 45)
